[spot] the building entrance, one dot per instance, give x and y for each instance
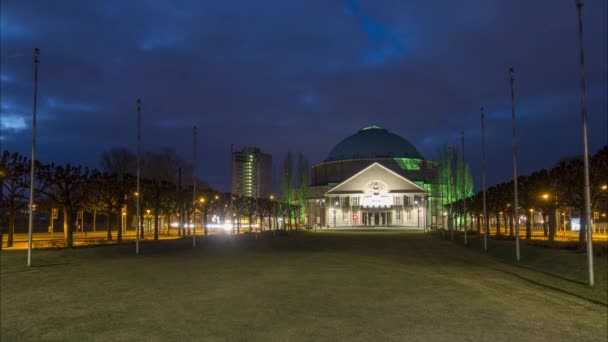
(379, 218)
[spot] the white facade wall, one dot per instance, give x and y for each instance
(411, 216)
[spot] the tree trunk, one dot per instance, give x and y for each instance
(168, 219)
(156, 213)
(583, 227)
(109, 226)
(478, 225)
(545, 225)
(67, 228)
(141, 225)
(119, 230)
(528, 225)
(498, 226)
(94, 220)
(471, 223)
(552, 224)
(238, 223)
(511, 225)
(205, 222)
(11, 227)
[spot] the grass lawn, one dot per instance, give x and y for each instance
(367, 286)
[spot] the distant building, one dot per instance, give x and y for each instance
(251, 173)
(373, 178)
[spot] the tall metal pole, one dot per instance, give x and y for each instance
(579, 6)
(232, 182)
(464, 190)
(451, 195)
(138, 196)
(194, 185)
(180, 208)
(515, 199)
(483, 177)
(32, 167)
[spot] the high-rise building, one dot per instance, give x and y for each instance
(251, 173)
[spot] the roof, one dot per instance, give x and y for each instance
(373, 142)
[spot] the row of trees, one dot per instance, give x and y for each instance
(454, 181)
(166, 192)
(544, 192)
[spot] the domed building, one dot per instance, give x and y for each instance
(373, 178)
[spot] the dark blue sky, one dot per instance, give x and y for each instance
(301, 75)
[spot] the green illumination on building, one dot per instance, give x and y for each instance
(408, 163)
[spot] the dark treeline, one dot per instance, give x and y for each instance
(544, 191)
(166, 195)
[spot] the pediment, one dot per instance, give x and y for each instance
(376, 180)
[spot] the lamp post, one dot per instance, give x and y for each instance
(515, 201)
(464, 191)
(483, 177)
(138, 103)
(194, 186)
(33, 162)
(579, 6)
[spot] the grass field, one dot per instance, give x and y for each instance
(355, 286)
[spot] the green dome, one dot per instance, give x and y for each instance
(373, 142)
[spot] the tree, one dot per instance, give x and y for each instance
(120, 166)
(287, 180)
(451, 174)
(67, 186)
(161, 172)
(303, 179)
(13, 189)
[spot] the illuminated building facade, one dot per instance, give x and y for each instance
(373, 178)
(251, 173)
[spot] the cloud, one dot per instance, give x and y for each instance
(301, 75)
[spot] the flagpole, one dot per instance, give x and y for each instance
(483, 177)
(138, 194)
(194, 185)
(33, 165)
(579, 6)
(515, 197)
(464, 191)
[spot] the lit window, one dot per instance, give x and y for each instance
(398, 215)
(397, 201)
(408, 215)
(355, 201)
(344, 216)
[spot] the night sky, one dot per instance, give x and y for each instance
(301, 75)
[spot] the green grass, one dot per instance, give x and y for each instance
(305, 286)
